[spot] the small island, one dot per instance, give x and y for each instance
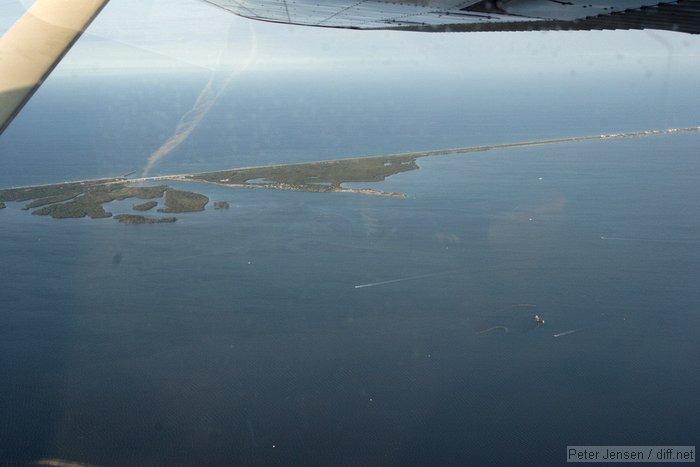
(138, 219)
(147, 206)
(183, 201)
(73, 210)
(221, 205)
(2, 206)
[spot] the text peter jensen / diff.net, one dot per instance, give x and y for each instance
(599, 454)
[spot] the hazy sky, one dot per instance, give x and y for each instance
(138, 35)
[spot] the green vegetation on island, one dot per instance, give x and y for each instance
(44, 191)
(89, 202)
(221, 205)
(114, 192)
(183, 201)
(99, 191)
(50, 200)
(325, 176)
(74, 209)
(328, 176)
(79, 199)
(138, 219)
(147, 206)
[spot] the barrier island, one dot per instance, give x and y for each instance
(86, 198)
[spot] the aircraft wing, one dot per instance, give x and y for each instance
(38, 41)
(31, 49)
(472, 16)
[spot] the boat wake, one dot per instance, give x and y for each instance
(566, 333)
(403, 279)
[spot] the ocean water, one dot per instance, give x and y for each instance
(239, 337)
(87, 127)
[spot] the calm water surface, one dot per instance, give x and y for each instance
(238, 336)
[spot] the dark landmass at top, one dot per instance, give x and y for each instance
(183, 201)
(138, 219)
(221, 205)
(147, 206)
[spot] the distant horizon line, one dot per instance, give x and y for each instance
(414, 154)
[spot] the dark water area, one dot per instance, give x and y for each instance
(239, 337)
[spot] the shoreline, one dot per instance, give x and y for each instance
(187, 177)
(310, 176)
(285, 187)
